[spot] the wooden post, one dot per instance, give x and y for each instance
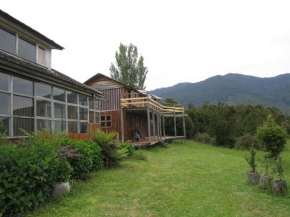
(184, 130)
(159, 127)
(154, 129)
(148, 119)
(163, 125)
(174, 118)
(122, 124)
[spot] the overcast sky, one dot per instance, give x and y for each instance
(181, 41)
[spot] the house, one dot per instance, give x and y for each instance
(34, 96)
(131, 112)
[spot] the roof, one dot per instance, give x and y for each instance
(35, 70)
(102, 75)
(30, 30)
(152, 95)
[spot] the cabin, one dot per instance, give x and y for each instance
(33, 96)
(136, 115)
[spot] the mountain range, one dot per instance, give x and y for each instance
(232, 89)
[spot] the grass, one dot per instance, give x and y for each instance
(189, 179)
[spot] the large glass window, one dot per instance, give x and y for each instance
(43, 108)
(59, 126)
(20, 124)
(4, 81)
(5, 122)
(4, 104)
(83, 100)
(58, 94)
(22, 106)
(8, 41)
(72, 112)
(72, 97)
(83, 113)
(97, 104)
(43, 90)
(91, 102)
(83, 127)
(44, 124)
(22, 86)
(26, 50)
(59, 110)
(97, 117)
(41, 56)
(92, 117)
(72, 127)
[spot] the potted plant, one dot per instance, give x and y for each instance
(279, 186)
(265, 179)
(253, 177)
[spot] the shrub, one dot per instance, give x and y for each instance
(139, 155)
(64, 170)
(128, 147)
(111, 149)
(246, 142)
(27, 175)
(251, 160)
(97, 156)
(202, 138)
(83, 164)
(272, 137)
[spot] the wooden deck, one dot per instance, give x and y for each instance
(146, 143)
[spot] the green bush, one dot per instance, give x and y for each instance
(88, 156)
(271, 137)
(64, 170)
(246, 142)
(128, 147)
(97, 156)
(202, 138)
(27, 175)
(111, 149)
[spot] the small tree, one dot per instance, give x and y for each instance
(272, 137)
(129, 69)
(251, 160)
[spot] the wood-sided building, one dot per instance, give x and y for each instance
(33, 96)
(127, 109)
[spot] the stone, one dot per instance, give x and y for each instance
(253, 178)
(60, 188)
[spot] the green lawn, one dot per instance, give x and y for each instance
(189, 179)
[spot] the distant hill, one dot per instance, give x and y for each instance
(233, 89)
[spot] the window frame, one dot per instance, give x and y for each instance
(106, 121)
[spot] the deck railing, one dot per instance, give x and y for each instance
(145, 102)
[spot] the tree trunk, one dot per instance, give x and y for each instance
(253, 178)
(279, 186)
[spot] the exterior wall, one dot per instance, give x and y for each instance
(85, 136)
(113, 96)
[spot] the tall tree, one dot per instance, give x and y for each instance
(129, 69)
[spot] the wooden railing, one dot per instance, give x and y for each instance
(144, 102)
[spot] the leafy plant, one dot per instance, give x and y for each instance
(63, 171)
(272, 137)
(3, 135)
(246, 142)
(111, 149)
(266, 164)
(128, 147)
(251, 160)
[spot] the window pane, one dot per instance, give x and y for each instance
(59, 110)
(5, 121)
(97, 117)
(22, 123)
(72, 97)
(97, 104)
(58, 94)
(43, 108)
(83, 114)
(8, 41)
(22, 106)
(72, 112)
(43, 90)
(4, 104)
(83, 127)
(26, 50)
(91, 102)
(44, 124)
(91, 117)
(103, 124)
(108, 124)
(41, 56)
(59, 126)
(4, 81)
(72, 127)
(108, 118)
(83, 100)
(103, 118)
(22, 86)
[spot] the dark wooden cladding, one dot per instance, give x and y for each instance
(113, 96)
(85, 136)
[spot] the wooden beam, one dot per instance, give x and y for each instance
(163, 117)
(174, 120)
(154, 129)
(184, 130)
(148, 119)
(176, 115)
(122, 124)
